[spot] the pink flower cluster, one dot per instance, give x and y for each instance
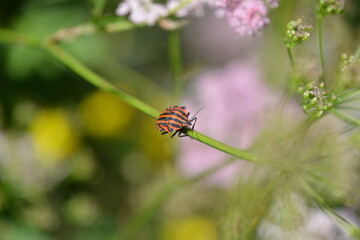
(246, 17)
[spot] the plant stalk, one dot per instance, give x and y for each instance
(320, 46)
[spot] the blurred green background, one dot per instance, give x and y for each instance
(79, 163)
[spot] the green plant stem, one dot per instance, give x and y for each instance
(345, 117)
(96, 80)
(175, 64)
(292, 63)
(238, 153)
(343, 223)
(11, 37)
(90, 28)
(320, 46)
(270, 186)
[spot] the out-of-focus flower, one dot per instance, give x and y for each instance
(52, 135)
(193, 228)
(328, 7)
(142, 11)
(82, 209)
(104, 115)
(272, 3)
(82, 165)
(41, 216)
(183, 8)
(296, 33)
(246, 17)
(20, 166)
(236, 106)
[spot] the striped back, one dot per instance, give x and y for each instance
(172, 119)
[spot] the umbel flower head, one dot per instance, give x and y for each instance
(328, 7)
(315, 100)
(296, 33)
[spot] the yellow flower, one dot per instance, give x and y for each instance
(194, 228)
(52, 135)
(104, 115)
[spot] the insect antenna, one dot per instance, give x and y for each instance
(192, 119)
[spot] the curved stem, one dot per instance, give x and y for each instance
(93, 78)
(97, 80)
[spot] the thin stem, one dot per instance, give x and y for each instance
(93, 78)
(90, 28)
(343, 223)
(175, 63)
(18, 38)
(320, 46)
(238, 153)
(357, 53)
(346, 118)
(265, 191)
(292, 63)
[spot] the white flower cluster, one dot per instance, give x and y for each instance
(148, 12)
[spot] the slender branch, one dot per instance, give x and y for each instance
(343, 223)
(93, 78)
(292, 62)
(346, 118)
(11, 37)
(320, 46)
(238, 153)
(67, 34)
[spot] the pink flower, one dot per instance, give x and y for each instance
(236, 105)
(246, 17)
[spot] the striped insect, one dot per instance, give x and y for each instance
(174, 119)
